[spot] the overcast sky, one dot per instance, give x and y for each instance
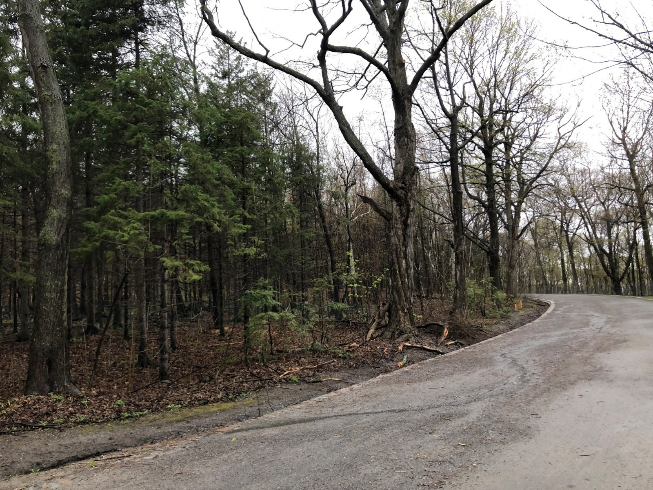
(576, 77)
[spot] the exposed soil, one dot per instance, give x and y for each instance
(210, 384)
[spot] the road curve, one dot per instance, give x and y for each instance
(564, 402)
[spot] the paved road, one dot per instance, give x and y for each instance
(565, 402)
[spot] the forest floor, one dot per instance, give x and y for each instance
(210, 384)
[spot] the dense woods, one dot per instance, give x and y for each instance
(206, 184)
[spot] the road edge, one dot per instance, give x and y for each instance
(317, 399)
(396, 372)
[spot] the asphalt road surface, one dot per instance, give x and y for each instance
(564, 402)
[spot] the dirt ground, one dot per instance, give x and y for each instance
(127, 407)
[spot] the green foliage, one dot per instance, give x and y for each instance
(265, 310)
(341, 353)
(484, 299)
(317, 347)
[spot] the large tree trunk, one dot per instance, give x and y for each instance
(49, 369)
(406, 174)
(460, 290)
(403, 259)
(493, 253)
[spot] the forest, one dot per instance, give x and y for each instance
(185, 180)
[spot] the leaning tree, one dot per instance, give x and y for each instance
(388, 51)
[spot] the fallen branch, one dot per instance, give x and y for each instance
(380, 317)
(306, 367)
(417, 346)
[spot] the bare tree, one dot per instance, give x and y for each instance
(447, 85)
(626, 29)
(606, 211)
(388, 19)
(630, 116)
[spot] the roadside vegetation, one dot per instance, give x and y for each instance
(185, 218)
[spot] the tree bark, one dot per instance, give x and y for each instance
(217, 301)
(91, 272)
(494, 249)
(49, 369)
(164, 351)
(572, 263)
(23, 333)
(335, 296)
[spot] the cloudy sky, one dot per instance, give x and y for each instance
(579, 75)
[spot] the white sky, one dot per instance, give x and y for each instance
(576, 76)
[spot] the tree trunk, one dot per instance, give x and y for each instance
(23, 333)
(538, 258)
(572, 263)
(640, 195)
(401, 247)
(117, 320)
(406, 175)
(215, 281)
(335, 296)
(141, 314)
(563, 265)
(48, 369)
(493, 254)
(460, 275)
(640, 274)
(125, 311)
(91, 273)
(164, 353)
(91, 305)
(172, 307)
